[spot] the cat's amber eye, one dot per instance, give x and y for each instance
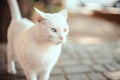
(53, 30)
(65, 30)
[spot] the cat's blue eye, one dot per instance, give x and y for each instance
(53, 30)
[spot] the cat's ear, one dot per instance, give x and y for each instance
(40, 15)
(64, 13)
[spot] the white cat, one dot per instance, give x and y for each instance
(35, 46)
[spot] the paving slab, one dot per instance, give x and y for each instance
(96, 76)
(56, 71)
(77, 69)
(98, 68)
(113, 75)
(57, 77)
(78, 77)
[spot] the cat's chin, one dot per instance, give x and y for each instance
(59, 42)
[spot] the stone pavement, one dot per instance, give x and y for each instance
(88, 62)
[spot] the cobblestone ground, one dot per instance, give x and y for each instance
(93, 61)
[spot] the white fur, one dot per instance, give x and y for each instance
(33, 45)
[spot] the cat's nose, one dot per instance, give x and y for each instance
(61, 38)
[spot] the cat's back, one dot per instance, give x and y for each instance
(22, 24)
(17, 27)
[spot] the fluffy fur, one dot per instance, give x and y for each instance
(35, 46)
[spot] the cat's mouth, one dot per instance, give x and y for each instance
(58, 41)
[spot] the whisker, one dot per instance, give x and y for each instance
(69, 46)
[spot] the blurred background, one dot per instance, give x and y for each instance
(94, 50)
(87, 17)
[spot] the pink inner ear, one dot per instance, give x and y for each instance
(39, 19)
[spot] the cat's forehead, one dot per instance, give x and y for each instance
(57, 21)
(55, 17)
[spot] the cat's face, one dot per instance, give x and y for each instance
(54, 27)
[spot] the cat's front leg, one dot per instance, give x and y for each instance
(44, 75)
(30, 75)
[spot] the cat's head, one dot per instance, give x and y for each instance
(52, 27)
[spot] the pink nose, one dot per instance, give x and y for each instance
(61, 38)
